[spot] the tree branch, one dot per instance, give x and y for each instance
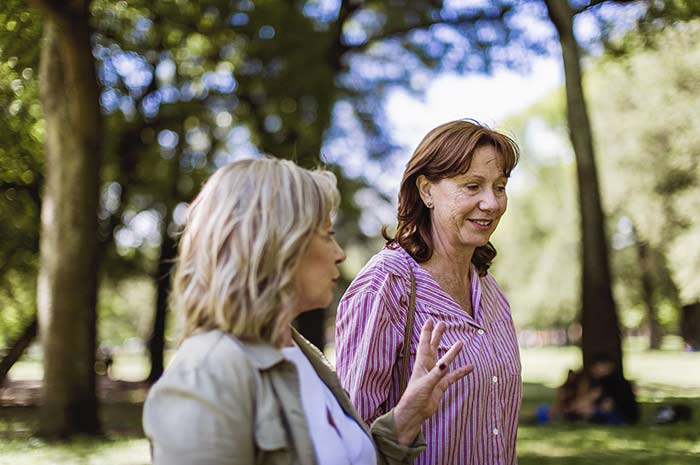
(594, 3)
(399, 31)
(17, 348)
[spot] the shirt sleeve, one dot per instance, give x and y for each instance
(367, 344)
(191, 418)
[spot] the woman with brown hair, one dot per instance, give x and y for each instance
(452, 196)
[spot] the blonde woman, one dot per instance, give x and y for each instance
(258, 250)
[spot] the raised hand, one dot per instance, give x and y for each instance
(429, 381)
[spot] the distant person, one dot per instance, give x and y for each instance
(244, 387)
(452, 196)
(599, 395)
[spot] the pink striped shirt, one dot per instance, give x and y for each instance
(476, 423)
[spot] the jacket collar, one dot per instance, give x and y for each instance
(262, 355)
(325, 371)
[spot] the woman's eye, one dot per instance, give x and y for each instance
(472, 187)
(500, 188)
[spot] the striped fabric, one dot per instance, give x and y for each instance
(476, 423)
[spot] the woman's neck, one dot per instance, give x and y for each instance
(452, 265)
(452, 274)
(287, 337)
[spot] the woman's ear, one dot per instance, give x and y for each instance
(424, 186)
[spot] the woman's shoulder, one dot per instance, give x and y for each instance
(391, 260)
(210, 367)
(214, 352)
(384, 268)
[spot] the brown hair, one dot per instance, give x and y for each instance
(444, 152)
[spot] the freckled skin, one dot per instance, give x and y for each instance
(477, 194)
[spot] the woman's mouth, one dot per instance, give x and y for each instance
(483, 225)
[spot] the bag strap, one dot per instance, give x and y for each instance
(408, 332)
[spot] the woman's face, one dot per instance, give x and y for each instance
(318, 271)
(467, 208)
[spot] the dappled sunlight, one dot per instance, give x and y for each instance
(588, 444)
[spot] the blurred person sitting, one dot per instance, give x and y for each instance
(598, 395)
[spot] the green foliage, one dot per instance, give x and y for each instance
(21, 132)
(645, 106)
(642, 108)
(189, 86)
(537, 242)
(538, 238)
(125, 310)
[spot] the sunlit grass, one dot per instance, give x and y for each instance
(122, 444)
(600, 445)
(80, 451)
(661, 377)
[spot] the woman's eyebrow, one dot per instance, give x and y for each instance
(478, 177)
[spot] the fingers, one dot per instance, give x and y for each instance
(450, 355)
(456, 375)
(436, 335)
(441, 368)
(425, 334)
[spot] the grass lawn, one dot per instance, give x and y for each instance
(661, 377)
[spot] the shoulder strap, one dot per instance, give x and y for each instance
(408, 332)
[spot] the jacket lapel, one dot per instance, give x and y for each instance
(325, 371)
(284, 382)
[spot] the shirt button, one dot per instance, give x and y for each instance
(481, 331)
(495, 379)
(495, 431)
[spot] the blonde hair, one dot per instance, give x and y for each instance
(243, 240)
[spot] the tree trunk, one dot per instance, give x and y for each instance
(17, 348)
(156, 343)
(646, 267)
(67, 284)
(601, 341)
(690, 325)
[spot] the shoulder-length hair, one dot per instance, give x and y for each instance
(444, 152)
(243, 240)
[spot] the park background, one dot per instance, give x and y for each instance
(113, 113)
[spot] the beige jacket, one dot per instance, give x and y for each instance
(223, 401)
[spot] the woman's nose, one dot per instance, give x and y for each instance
(340, 254)
(488, 202)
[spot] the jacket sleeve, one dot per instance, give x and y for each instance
(367, 344)
(389, 451)
(191, 416)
